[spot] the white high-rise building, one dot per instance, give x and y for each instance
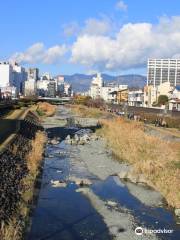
(42, 87)
(6, 74)
(163, 70)
(96, 85)
(30, 87)
(13, 75)
(19, 76)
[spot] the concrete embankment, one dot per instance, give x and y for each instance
(14, 165)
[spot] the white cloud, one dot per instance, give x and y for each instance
(96, 26)
(71, 29)
(121, 6)
(54, 54)
(91, 26)
(37, 53)
(131, 47)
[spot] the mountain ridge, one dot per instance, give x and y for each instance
(81, 82)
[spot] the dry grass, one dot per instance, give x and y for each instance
(157, 159)
(15, 227)
(84, 111)
(35, 155)
(46, 109)
(12, 231)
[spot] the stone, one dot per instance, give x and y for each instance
(142, 179)
(76, 137)
(85, 137)
(133, 177)
(68, 137)
(54, 142)
(177, 212)
(80, 181)
(81, 142)
(58, 183)
(123, 174)
(112, 203)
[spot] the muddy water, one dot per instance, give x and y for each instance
(63, 213)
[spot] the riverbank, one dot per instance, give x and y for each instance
(155, 160)
(20, 160)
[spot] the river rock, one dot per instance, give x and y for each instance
(76, 137)
(177, 212)
(112, 203)
(94, 137)
(80, 181)
(58, 183)
(54, 142)
(129, 174)
(132, 176)
(142, 179)
(68, 137)
(123, 174)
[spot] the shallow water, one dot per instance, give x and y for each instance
(64, 214)
(145, 216)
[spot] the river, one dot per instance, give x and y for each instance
(107, 208)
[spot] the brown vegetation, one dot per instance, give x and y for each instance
(46, 109)
(14, 229)
(172, 122)
(93, 112)
(157, 159)
(86, 112)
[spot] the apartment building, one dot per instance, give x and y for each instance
(96, 85)
(136, 98)
(163, 70)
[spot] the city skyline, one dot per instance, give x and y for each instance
(62, 37)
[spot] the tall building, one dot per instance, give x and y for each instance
(67, 89)
(13, 75)
(163, 70)
(30, 88)
(60, 86)
(42, 88)
(6, 74)
(33, 73)
(52, 88)
(19, 77)
(96, 85)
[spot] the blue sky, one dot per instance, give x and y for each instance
(69, 28)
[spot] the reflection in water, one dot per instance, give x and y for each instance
(64, 214)
(148, 217)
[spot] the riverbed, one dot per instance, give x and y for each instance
(82, 197)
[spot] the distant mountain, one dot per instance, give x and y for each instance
(81, 82)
